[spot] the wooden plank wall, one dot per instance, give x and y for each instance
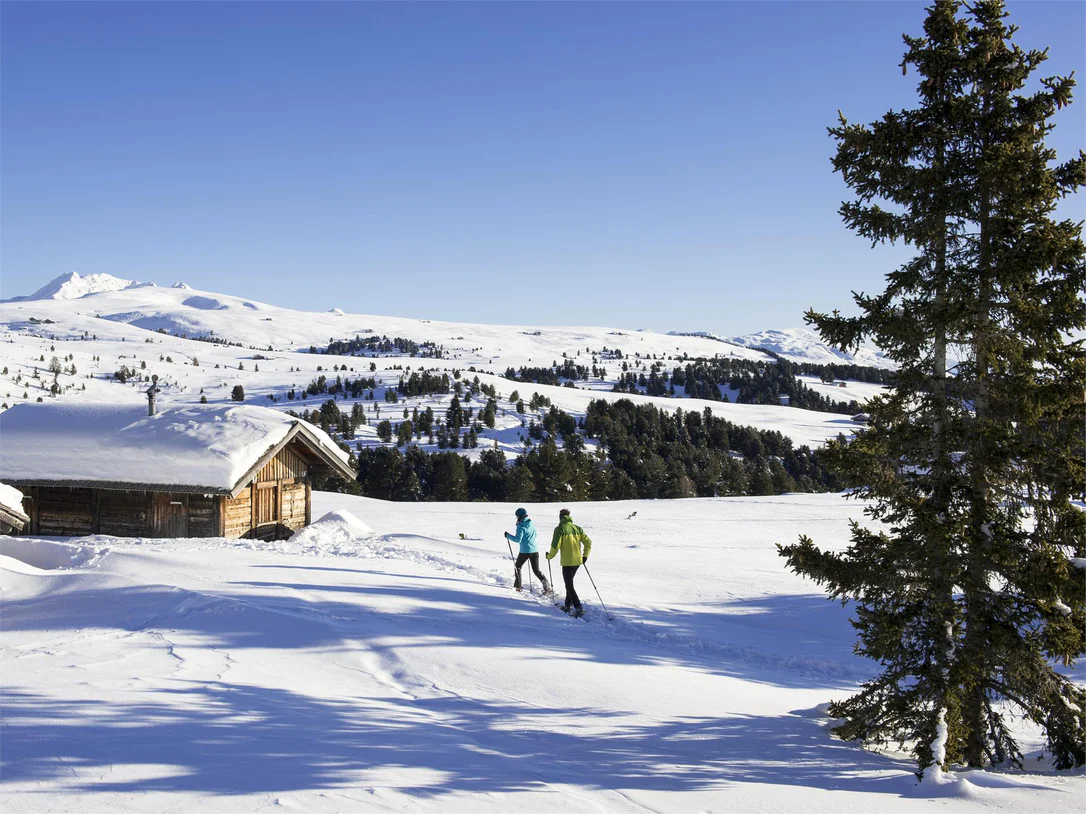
(123, 514)
(237, 514)
(203, 516)
(287, 465)
(65, 512)
(293, 512)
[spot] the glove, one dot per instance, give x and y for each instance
(550, 555)
(584, 561)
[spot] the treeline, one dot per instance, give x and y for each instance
(642, 452)
(754, 383)
(353, 388)
(372, 345)
(553, 375)
(828, 373)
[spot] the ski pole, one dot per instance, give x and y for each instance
(514, 559)
(597, 590)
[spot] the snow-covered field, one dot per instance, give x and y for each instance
(395, 670)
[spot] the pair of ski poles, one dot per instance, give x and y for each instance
(550, 571)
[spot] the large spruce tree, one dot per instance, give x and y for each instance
(966, 592)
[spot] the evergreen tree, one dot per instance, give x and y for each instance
(973, 468)
(450, 479)
(238, 393)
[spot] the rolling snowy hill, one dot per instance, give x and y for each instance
(202, 344)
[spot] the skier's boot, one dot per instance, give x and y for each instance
(546, 587)
(578, 613)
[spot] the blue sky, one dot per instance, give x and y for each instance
(658, 165)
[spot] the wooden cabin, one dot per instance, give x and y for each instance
(187, 471)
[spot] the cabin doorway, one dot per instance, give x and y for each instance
(169, 518)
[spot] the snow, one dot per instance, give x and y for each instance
(387, 665)
(378, 659)
(10, 497)
(800, 345)
(72, 286)
(201, 446)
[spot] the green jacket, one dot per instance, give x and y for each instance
(569, 538)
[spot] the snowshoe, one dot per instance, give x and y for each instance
(577, 613)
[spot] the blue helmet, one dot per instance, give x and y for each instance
(521, 514)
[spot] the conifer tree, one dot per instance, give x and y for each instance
(970, 593)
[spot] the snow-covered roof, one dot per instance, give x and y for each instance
(212, 449)
(11, 502)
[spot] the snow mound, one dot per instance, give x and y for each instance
(11, 497)
(182, 286)
(50, 556)
(72, 286)
(332, 531)
(337, 311)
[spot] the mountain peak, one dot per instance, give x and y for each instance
(72, 285)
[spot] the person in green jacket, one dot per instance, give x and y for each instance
(575, 546)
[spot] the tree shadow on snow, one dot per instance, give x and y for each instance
(778, 640)
(227, 738)
(239, 739)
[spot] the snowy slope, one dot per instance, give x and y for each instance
(801, 345)
(154, 330)
(396, 671)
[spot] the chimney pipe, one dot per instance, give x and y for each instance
(151, 395)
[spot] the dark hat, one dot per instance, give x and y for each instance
(522, 513)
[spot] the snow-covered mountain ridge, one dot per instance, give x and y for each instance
(72, 286)
(164, 309)
(801, 345)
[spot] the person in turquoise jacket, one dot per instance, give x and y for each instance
(575, 547)
(529, 551)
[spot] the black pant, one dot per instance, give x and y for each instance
(568, 573)
(534, 559)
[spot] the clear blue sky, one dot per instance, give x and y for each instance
(658, 165)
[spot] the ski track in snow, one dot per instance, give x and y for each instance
(387, 547)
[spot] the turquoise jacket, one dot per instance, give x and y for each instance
(525, 536)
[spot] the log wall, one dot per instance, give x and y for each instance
(237, 514)
(65, 512)
(204, 516)
(294, 511)
(123, 514)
